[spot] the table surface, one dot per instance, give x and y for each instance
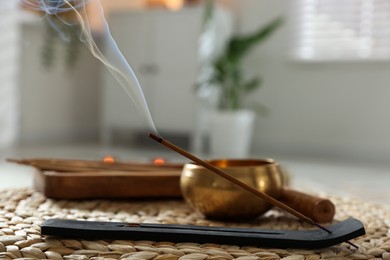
(370, 182)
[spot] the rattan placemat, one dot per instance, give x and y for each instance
(23, 210)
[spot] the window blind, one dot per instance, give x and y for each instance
(342, 29)
(9, 42)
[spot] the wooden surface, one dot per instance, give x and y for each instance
(64, 165)
(88, 185)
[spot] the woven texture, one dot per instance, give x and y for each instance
(23, 210)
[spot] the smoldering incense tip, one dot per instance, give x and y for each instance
(155, 137)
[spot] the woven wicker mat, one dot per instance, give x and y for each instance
(23, 210)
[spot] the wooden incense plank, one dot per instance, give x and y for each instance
(108, 185)
(67, 165)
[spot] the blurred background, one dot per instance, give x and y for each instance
(325, 77)
(322, 103)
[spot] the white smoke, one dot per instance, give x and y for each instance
(118, 66)
(54, 7)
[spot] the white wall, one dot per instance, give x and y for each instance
(8, 73)
(333, 109)
(57, 105)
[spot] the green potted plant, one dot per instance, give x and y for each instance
(231, 120)
(228, 73)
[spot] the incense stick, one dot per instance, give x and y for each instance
(241, 184)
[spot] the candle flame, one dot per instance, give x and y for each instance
(109, 160)
(174, 5)
(159, 161)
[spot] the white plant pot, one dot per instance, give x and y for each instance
(230, 133)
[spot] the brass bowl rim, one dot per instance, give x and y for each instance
(236, 163)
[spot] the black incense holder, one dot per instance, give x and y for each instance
(340, 232)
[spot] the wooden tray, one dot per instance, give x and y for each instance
(108, 185)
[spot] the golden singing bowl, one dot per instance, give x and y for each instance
(218, 198)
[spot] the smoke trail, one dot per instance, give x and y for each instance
(54, 7)
(118, 66)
